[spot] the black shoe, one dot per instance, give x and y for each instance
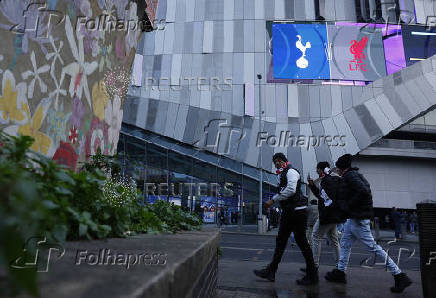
(336, 276)
(402, 281)
(266, 273)
(361, 20)
(311, 278)
(380, 20)
(303, 270)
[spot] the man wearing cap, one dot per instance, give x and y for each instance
(355, 200)
(293, 219)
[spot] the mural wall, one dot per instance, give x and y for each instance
(64, 73)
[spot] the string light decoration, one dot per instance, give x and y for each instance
(117, 81)
(119, 191)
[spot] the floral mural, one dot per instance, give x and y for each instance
(63, 81)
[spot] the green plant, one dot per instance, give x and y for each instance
(45, 200)
(219, 252)
(174, 218)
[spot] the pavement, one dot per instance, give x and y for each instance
(383, 235)
(242, 253)
(236, 279)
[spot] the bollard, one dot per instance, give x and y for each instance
(427, 245)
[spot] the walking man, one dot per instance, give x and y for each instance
(293, 219)
(329, 215)
(355, 198)
(396, 218)
(312, 213)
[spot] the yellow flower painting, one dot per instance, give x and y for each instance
(9, 100)
(100, 99)
(42, 142)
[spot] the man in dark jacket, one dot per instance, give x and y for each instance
(355, 198)
(396, 218)
(293, 219)
(329, 215)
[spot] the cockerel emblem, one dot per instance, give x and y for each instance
(302, 62)
(356, 49)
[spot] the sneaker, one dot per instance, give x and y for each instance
(266, 273)
(336, 276)
(402, 281)
(311, 278)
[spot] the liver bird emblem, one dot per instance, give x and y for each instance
(357, 48)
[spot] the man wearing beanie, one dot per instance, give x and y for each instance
(293, 219)
(355, 198)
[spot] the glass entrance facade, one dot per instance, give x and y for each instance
(219, 189)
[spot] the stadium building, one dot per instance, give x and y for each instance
(336, 77)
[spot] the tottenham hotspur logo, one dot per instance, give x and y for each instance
(302, 62)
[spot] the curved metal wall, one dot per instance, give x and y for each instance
(228, 38)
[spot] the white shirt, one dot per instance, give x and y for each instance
(290, 189)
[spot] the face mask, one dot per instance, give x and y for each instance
(284, 165)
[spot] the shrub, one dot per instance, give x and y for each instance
(42, 199)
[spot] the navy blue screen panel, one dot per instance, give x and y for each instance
(299, 51)
(419, 43)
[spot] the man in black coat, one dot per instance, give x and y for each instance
(293, 219)
(329, 215)
(396, 218)
(355, 200)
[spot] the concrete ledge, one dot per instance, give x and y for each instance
(190, 267)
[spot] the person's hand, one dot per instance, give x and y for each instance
(269, 203)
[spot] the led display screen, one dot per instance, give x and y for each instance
(343, 52)
(392, 43)
(356, 54)
(420, 43)
(299, 51)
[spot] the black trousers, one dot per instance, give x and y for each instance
(293, 221)
(378, 8)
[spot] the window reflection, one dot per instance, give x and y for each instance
(214, 191)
